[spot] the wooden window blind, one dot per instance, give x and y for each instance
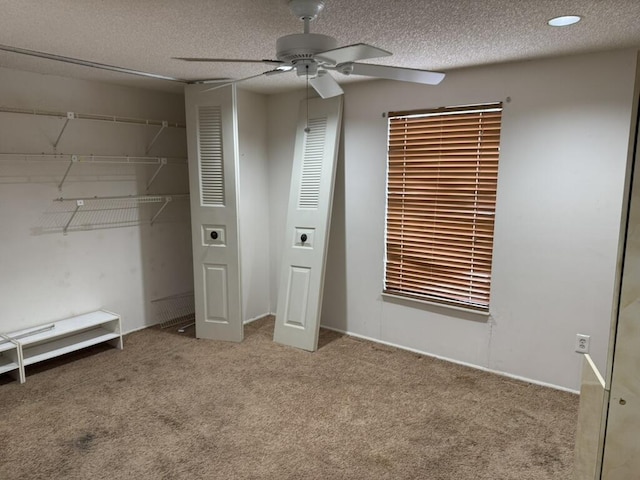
(441, 196)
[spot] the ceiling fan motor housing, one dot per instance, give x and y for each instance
(303, 46)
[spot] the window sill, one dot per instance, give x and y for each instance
(420, 303)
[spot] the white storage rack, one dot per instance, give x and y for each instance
(10, 361)
(32, 345)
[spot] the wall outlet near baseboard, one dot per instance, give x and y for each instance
(582, 343)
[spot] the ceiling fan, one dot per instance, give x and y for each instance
(313, 55)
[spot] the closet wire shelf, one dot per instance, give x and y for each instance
(81, 214)
(69, 116)
(175, 310)
(72, 159)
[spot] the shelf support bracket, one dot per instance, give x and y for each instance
(74, 159)
(164, 125)
(79, 203)
(70, 116)
(164, 205)
(163, 162)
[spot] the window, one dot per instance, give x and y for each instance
(441, 196)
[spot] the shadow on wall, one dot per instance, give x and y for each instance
(165, 245)
(334, 303)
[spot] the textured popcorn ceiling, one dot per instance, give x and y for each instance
(431, 34)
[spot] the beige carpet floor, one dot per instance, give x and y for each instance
(172, 407)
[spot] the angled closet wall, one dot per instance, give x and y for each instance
(93, 202)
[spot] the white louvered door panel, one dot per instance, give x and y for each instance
(213, 170)
(210, 151)
(308, 219)
(311, 176)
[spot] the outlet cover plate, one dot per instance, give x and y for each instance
(582, 343)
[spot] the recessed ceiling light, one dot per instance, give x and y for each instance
(564, 21)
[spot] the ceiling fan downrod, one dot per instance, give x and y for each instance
(306, 10)
(298, 49)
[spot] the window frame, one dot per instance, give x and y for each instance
(395, 284)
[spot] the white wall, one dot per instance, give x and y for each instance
(47, 276)
(562, 169)
(253, 205)
(281, 129)
(564, 151)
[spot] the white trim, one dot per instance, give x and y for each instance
(458, 362)
(596, 372)
(408, 301)
(259, 317)
(137, 329)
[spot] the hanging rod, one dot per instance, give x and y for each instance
(91, 116)
(115, 159)
(72, 159)
(136, 198)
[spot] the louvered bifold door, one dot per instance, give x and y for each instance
(308, 219)
(213, 167)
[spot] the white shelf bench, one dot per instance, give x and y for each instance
(44, 342)
(10, 361)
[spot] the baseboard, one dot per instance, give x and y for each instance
(458, 362)
(250, 320)
(259, 317)
(137, 329)
(413, 350)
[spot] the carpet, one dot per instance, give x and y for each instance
(170, 406)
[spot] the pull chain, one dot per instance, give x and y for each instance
(307, 129)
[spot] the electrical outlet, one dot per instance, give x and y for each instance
(582, 343)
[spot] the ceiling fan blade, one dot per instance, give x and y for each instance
(229, 60)
(351, 53)
(393, 73)
(325, 85)
(223, 83)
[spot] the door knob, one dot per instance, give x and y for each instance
(214, 235)
(303, 237)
